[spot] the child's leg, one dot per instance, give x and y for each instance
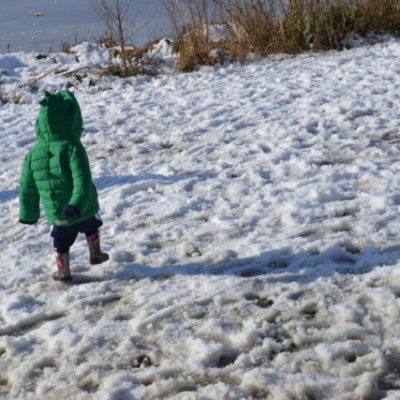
(63, 272)
(96, 255)
(90, 228)
(63, 239)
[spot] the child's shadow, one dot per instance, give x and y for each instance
(274, 266)
(8, 195)
(147, 180)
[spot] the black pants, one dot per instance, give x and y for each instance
(64, 236)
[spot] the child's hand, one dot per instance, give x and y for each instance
(71, 211)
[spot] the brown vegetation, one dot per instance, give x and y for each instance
(275, 26)
(260, 27)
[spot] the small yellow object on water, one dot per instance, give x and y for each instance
(38, 15)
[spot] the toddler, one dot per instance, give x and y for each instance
(56, 171)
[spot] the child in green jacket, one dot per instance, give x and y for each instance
(57, 172)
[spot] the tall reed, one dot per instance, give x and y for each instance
(274, 26)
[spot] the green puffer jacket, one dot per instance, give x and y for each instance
(56, 170)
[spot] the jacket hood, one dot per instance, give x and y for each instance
(59, 118)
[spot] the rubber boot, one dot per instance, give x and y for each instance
(96, 255)
(63, 272)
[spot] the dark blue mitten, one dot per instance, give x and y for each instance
(71, 211)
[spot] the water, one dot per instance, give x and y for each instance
(68, 21)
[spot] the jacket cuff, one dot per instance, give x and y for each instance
(22, 221)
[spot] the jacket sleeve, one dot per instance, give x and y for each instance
(81, 177)
(29, 198)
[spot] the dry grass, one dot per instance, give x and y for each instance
(323, 24)
(275, 26)
(194, 50)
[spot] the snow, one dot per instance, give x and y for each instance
(251, 214)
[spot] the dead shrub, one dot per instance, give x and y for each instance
(275, 26)
(193, 50)
(191, 21)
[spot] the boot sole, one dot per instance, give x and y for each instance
(96, 261)
(62, 278)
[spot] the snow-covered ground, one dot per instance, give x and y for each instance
(252, 214)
